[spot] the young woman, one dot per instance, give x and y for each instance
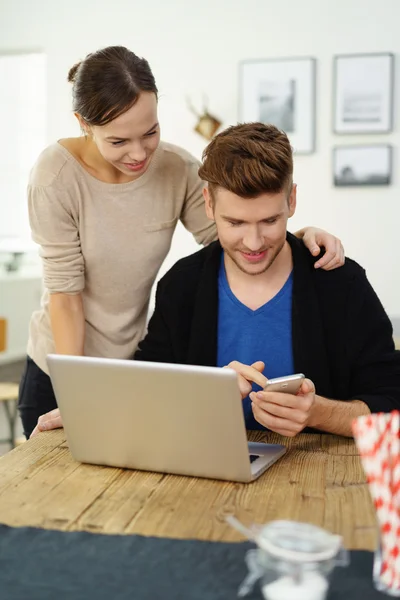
(103, 208)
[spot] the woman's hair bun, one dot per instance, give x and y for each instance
(72, 72)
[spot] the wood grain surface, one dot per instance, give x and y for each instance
(320, 480)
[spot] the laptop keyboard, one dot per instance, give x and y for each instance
(253, 457)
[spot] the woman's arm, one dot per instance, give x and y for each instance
(67, 323)
(193, 214)
(51, 420)
(313, 238)
(55, 227)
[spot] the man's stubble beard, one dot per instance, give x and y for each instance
(254, 273)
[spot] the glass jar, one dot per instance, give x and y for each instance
(293, 561)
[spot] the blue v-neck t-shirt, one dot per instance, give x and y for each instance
(249, 335)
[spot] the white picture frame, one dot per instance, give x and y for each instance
(282, 92)
(360, 165)
(363, 93)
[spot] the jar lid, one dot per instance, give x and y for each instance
(298, 542)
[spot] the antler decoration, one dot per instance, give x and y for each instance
(207, 124)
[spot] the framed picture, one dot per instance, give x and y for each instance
(363, 93)
(281, 92)
(362, 165)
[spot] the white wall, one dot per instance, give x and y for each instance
(24, 137)
(194, 47)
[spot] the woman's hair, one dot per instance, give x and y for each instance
(108, 82)
(248, 160)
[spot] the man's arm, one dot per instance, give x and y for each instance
(375, 364)
(288, 415)
(335, 416)
(374, 367)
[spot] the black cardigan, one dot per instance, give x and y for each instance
(342, 337)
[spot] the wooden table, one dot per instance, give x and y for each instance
(319, 480)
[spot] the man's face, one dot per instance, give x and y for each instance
(252, 232)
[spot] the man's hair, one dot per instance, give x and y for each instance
(248, 159)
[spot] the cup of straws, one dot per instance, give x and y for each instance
(377, 437)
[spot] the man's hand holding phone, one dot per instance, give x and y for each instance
(285, 413)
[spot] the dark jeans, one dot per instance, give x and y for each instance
(36, 396)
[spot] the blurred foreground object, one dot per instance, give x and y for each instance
(377, 439)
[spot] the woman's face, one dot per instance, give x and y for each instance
(129, 141)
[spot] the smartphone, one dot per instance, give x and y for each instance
(289, 385)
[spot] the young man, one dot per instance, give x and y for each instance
(254, 301)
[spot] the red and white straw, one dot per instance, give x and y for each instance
(378, 442)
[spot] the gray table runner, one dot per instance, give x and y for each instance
(38, 564)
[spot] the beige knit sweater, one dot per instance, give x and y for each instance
(108, 242)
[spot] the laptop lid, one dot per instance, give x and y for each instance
(153, 416)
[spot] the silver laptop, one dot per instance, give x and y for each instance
(160, 417)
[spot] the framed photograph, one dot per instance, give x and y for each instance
(281, 92)
(363, 93)
(362, 165)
